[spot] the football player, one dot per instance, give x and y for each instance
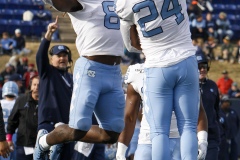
(134, 79)
(171, 73)
(97, 78)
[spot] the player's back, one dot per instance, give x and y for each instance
(162, 25)
(98, 28)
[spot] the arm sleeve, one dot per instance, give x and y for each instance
(42, 59)
(125, 31)
(2, 130)
(13, 119)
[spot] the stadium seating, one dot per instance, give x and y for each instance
(11, 15)
(232, 9)
(3, 25)
(12, 25)
(6, 13)
(27, 28)
(12, 4)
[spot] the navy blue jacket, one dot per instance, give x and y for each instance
(233, 123)
(54, 92)
(210, 99)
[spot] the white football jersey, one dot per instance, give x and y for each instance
(163, 29)
(134, 76)
(7, 107)
(98, 29)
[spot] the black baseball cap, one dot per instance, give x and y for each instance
(59, 49)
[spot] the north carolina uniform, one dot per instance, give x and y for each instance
(164, 35)
(97, 28)
(171, 73)
(134, 76)
(97, 86)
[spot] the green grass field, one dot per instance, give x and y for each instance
(214, 73)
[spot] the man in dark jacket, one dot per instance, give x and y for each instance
(210, 99)
(24, 118)
(55, 90)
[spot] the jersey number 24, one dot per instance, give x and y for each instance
(164, 13)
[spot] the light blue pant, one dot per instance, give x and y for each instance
(144, 151)
(167, 89)
(98, 88)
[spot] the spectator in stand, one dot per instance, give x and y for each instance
(223, 26)
(232, 119)
(234, 91)
(24, 117)
(31, 71)
(22, 67)
(224, 83)
(20, 43)
(210, 26)
(9, 70)
(198, 28)
(227, 50)
(193, 10)
(41, 15)
(7, 44)
(18, 79)
(238, 51)
(209, 46)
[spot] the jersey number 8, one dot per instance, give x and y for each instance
(165, 13)
(110, 15)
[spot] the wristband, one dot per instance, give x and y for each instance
(9, 137)
(121, 148)
(202, 136)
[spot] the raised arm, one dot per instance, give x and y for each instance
(42, 59)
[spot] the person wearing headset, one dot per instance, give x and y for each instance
(210, 99)
(56, 86)
(23, 117)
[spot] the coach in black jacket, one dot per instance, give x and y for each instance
(24, 118)
(56, 86)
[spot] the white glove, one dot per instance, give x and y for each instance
(121, 151)
(202, 145)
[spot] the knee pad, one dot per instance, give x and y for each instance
(84, 124)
